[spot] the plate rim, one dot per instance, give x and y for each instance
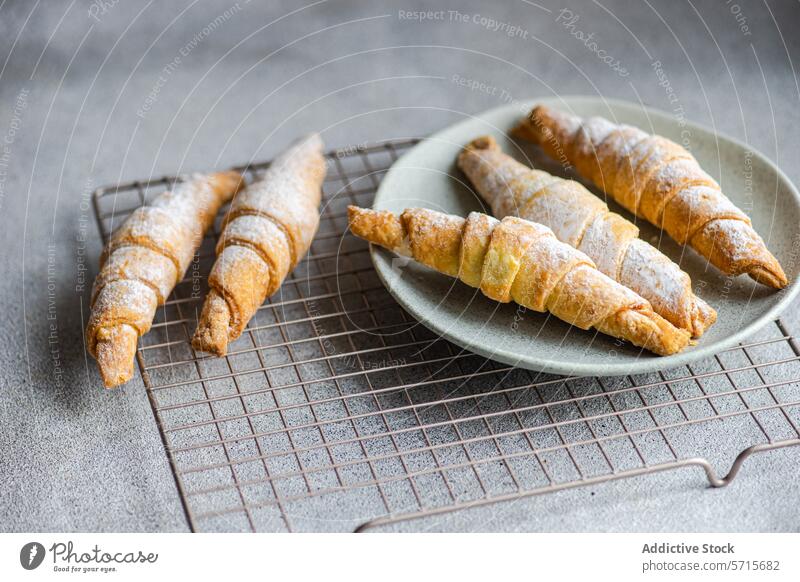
(545, 365)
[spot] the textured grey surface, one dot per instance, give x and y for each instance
(224, 83)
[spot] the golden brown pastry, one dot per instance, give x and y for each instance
(144, 260)
(523, 261)
(580, 219)
(657, 179)
(266, 233)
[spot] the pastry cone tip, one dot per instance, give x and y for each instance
(527, 127)
(115, 348)
(484, 142)
(703, 317)
(313, 139)
(228, 181)
(356, 212)
(212, 331)
(774, 277)
(360, 221)
(648, 330)
(227, 174)
(310, 141)
(380, 227)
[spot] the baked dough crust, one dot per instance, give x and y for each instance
(144, 260)
(658, 180)
(582, 220)
(524, 262)
(267, 231)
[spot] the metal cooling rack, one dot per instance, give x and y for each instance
(337, 411)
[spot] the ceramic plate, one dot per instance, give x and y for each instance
(427, 177)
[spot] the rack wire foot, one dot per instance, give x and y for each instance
(713, 480)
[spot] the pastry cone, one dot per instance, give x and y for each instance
(523, 261)
(268, 230)
(144, 260)
(660, 181)
(580, 219)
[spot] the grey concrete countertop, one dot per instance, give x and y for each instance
(99, 92)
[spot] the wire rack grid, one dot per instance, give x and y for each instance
(337, 411)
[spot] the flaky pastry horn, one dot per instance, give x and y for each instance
(268, 230)
(523, 261)
(580, 219)
(659, 180)
(144, 260)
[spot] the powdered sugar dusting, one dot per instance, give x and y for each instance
(675, 170)
(658, 280)
(580, 219)
(525, 262)
(268, 230)
(138, 303)
(150, 252)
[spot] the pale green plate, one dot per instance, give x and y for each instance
(427, 177)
